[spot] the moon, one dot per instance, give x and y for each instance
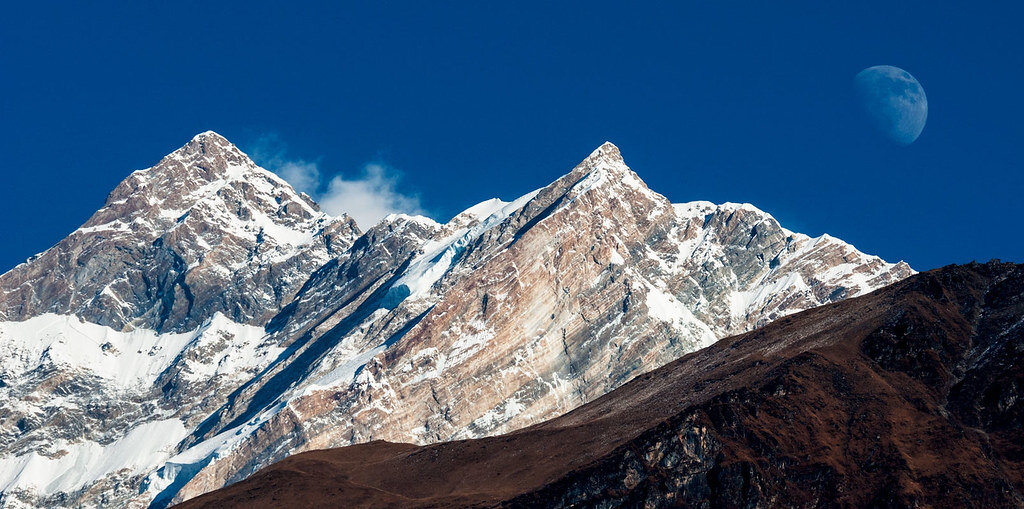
(894, 102)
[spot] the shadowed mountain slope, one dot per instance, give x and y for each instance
(907, 396)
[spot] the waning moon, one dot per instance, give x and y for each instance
(894, 102)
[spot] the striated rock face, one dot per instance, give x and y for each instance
(907, 397)
(510, 314)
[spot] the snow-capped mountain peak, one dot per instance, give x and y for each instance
(204, 172)
(175, 241)
(605, 170)
(606, 153)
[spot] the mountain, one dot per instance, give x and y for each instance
(209, 320)
(147, 315)
(204, 231)
(907, 397)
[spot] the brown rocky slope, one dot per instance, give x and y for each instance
(908, 396)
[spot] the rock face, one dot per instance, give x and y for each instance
(907, 397)
(203, 231)
(117, 341)
(273, 329)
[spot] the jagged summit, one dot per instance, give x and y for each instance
(207, 179)
(211, 141)
(607, 152)
(207, 158)
(605, 158)
(207, 152)
(175, 241)
(603, 180)
(212, 136)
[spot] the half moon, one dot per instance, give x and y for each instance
(894, 102)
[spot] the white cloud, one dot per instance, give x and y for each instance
(367, 199)
(302, 175)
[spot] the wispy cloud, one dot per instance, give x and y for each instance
(367, 198)
(302, 175)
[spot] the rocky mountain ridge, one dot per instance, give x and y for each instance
(906, 397)
(302, 332)
(173, 242)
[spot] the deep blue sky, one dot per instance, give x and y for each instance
(481, 100)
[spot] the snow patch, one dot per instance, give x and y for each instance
(666, 308)
(615, 258)
(438, 256)
(84, 462)
(129, 359)
(742, 303)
